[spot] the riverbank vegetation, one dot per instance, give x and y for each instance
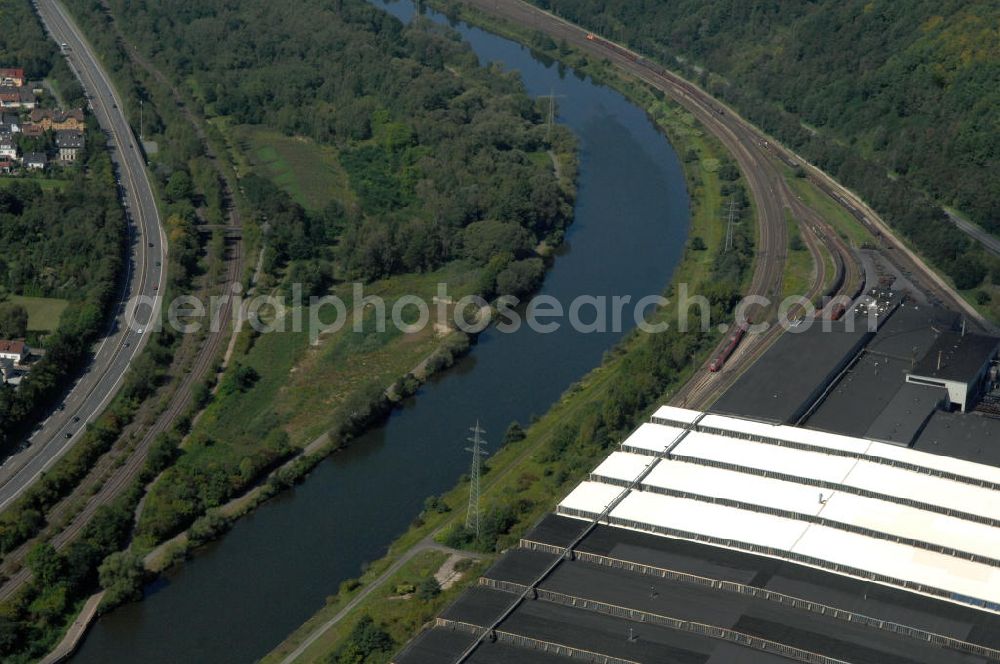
(423, 167)
(540, 461)
(894, 100)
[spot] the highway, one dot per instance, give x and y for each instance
(144, 274)
(989, 241)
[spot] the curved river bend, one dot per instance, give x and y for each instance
(239, 597)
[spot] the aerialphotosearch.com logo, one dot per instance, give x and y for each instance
(543, 314)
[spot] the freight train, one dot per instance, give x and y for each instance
(734, 341)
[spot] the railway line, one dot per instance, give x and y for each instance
(755, 154)
(755, 160)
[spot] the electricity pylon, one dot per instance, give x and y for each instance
(472, 517)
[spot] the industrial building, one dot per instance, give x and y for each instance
(839, 503)
(886, 384)
(712, 538)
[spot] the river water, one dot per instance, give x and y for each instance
(239, 597)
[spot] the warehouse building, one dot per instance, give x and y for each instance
(711, 538)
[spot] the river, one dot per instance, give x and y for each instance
(240, 596)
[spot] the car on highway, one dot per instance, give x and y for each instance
(76, 418)
(68, 434)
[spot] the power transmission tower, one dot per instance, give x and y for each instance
(729, 225)
(552, 112)
(472, 517)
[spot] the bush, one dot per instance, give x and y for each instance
(122, 575)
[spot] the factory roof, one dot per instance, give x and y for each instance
(854, 506)
(968, 436)
(806, 360)
(906, 413)
(957, 357)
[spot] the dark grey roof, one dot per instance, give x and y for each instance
(784, 382)
(906, 413)
(955, 356)
(69, 139)
(912, 330)
(577, 625)
(968, 436)
(862, 393)
(36, 158)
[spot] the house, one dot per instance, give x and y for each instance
(8, 149)
(12, 97)
(70, 144)
(10, 123)
(11, 77)
(35, 161)
(17, 351)
(55, 120)
(6, 166)
(32, 130)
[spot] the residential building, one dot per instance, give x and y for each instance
(8, 149)
(35, 161)
(70, 144)
(6, 166)
(12, 77)
(13, 97)
(17, 351)
(57, 120)
(10, 123)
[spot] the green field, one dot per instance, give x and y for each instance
(43, 312)
(799, 268)
(309, 172)
(842, 220)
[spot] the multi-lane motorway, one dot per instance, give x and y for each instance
(144, 275)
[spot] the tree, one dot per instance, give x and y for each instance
(13, 320)
(179, 187)
(968, 272)
(698, 244)
(483, 240)
(121, 576)
(514, 433)
(46, 564)
(366, 638)
(520, 277)
(428, 589)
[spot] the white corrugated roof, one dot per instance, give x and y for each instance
(764, 456)
(732, 485)
(646, 510)
(623, 465)
(901, 562)
(708, 519)
(591, 497)
(653, 437)
(925, 488)
(675, 414)
(753, 525)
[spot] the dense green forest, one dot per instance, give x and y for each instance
(432, 143)
(896, 99)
